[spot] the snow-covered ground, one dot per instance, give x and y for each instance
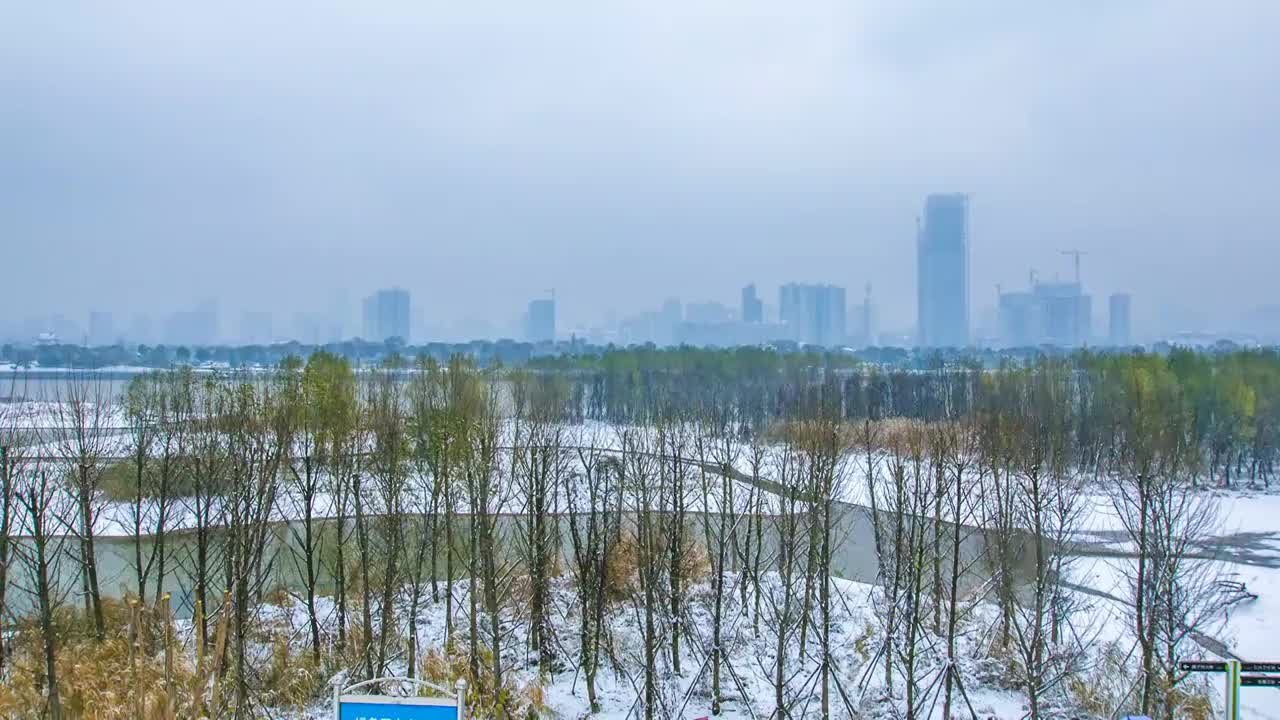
(750, 655)
(1245, 549)
(1248, 548)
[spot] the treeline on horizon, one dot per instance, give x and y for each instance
(1224, 405)
(1222, 409)
(575, 354)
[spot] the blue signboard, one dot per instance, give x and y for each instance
(375, 707)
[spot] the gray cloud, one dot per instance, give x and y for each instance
(622, 152)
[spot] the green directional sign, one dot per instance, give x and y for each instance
(1203, 666)
(1234, 680)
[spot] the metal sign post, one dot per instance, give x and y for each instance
(349, 705)
(1232, 703)
(1233, 680)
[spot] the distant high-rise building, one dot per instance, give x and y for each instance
(1068, 313)
(101, 329)
(672, 311)
(140, 329)
(1021, 320)
(193, 327)
(942, 272)
(867, 334)
(255, 327)
(707, 312)
(1121, 305)
(1057, 313)
(664, 326)
(386, 315)
(542, 321)
(333, 328)
(308, 328)
(67, 330)
(752, 306)
(814, 314)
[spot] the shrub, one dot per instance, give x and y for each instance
(96, 679)
(484, 701)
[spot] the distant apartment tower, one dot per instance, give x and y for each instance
(542, 321)
(1121, 305)
(193, 327)
(704, 313)
(814, 314)
(255, 327)
(386, 315)
(867, 333)
(140, 329)
(101, 328)
(1067, 312)
(942, 272)
(664, 327)
(752, 306)
(1054, 313)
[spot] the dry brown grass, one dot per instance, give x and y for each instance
(95, 679)
(622, 569)
(888, 435)
(1105, 686)
(291, 680)
(695, 565)
(484, 700)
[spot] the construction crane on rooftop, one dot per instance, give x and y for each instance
(1076, 253)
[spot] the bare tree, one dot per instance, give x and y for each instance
(300, 393)
(83, 417)
(1047, 493)
(1173, 592)
(956, 450)
(209, 463)
(388, 466)
(1151, 452)
(256, 438)
(539, 463)
(176, 414)
(1188, 590)
(332, 391)
(825, 451)
(491, 569)
(48, 515)
(757, 455)
(593, 520)
(644, 486)
(915, 488)
(428, 431)
(12, 458)
(141, 416)
(717, 450)
(892, 513)
(784, 611)
(998, 513)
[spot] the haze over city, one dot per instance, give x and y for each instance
(292, 159)
(664, 360)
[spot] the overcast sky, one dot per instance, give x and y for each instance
(273, 154)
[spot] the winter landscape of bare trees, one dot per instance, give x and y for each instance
(819, 543)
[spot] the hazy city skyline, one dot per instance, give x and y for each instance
(157, 157)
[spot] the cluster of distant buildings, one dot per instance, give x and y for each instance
(1044, 313)
(804, 313)
(1047, 313)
